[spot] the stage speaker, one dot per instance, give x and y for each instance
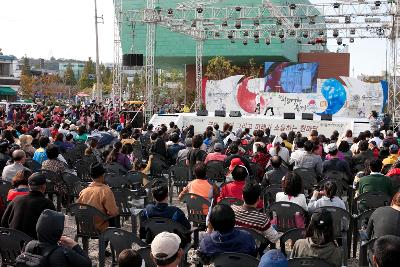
(326, 117)
(202, 113)
(307, 116)
(289, 116)
(131, 60)
(220, 113)
(235, 114)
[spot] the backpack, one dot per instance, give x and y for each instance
(37, 258)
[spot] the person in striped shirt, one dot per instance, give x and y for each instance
(247, 215)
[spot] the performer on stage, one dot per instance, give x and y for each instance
(269, 106)
(258, 103)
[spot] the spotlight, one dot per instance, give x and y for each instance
(170, 11)
(312, 21)
(321, 32)
(292, 6)
(238, 24)
(230, 35)
(199, 10)
(225, 23)
(232, 41)
(256, 22)
(246, 33)
(377, 3)
(336, 5)
(296, 23)
(193, 24)
(305, 34)
(256, 34)
(298, 40)
(351, 39)
(339, 41)
(267, 41)
(257, 40)
(352, 31)
(278, 22)
(281, 34)
(347, 19)
(292, 33)
(273, 33)
(217, 34)
(282, 40)
(245, 42)
(238, 8)
(335, 33)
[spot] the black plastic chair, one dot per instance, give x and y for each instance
(33, 165)
(74, 186)
(366, 253)
(285, 213)
(293, 235)
(83, 171)
(215, 171)
(234, 260)
(11, 244)
(196, 206)
(119, 240)
(115, 167)
(370, 200)
(342, 186)
(360, 223)
(158, 167)
(86, 217)
(308, 176)
(231, 201)
(257, 170)
(337, 175)
(5, 186)
(178, 177)
(261, 241)
(123, 199)
(54, 186)
(115, 180)
(308, 262)
(269, 194)
(145, 253)
(89, 159)
(342, 228)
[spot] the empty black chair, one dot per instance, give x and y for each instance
(119, 240)
(231, 201)
(370, 200)
(308, 262)
(293, 235)
(115, 180)
(197, 208)
(215, 171)
(11, 244)
(124, 199)
(74, 186)
(309, 177)
(234, 260)
(33, 165)
(115, 167)
(360, 223)
(269, 194)
(158, 167)
(288, 215)
(86, 217)
(55, 186)
(178, 177)
(83, 171)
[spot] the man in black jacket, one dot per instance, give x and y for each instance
(62, 251)
(23, 212)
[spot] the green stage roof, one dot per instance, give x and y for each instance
(6, 90)
(175, 49)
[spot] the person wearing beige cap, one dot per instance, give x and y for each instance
(166, 250)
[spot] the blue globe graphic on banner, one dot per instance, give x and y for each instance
(334, 94)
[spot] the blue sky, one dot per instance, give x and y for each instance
(65, 29)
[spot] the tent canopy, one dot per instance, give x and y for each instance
(6, 90)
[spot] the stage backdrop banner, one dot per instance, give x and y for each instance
(346, 98)
(277, 126)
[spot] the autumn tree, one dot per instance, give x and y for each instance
(252, 69)
(219, 68)
(88, 77)
(69, 76)
(26, 67)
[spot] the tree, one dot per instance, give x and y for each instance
(219, 68)
(252, 70)
(69, 76)
(88, 77)
(27, 83)
(26, 67)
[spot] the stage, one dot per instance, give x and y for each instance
(277, 124)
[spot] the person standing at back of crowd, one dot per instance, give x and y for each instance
(196, 154)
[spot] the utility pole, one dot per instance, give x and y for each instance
(98, 93)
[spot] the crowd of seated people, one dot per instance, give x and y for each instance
(54, 139)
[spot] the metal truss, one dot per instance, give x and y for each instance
(309, 24)
(116, 98)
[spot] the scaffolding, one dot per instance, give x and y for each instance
(307, 24)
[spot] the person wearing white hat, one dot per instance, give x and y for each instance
(166, 250)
